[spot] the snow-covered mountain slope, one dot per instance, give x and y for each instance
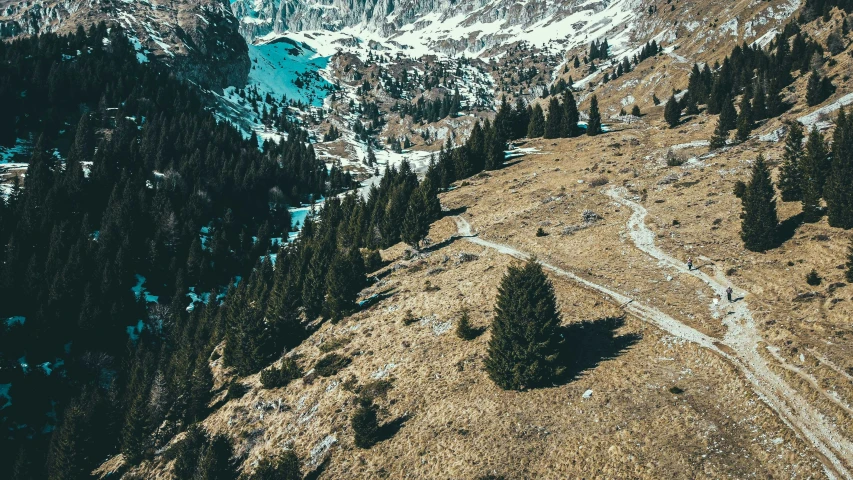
(198, 38)
(442, 25)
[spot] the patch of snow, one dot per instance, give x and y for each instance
(813, 119)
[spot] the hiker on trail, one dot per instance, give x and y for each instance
(729, 294)
(689, 263)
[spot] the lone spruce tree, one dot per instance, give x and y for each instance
(523, 348)
(758, 230)
(365, 423)
(672, 112)
(790, 173)
(593, 127)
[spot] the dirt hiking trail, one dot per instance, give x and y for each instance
(740, 345)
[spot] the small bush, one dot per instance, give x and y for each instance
(813, 279)
(375, 388)
(277, 377)
(673, 159)
(635, 111)
(541, 233)
(731, 271)
(739, 189)
(675, 390)
(408, 318)
(280, 467)
(365, 423)
(235, 390)
(464, 330)
(331, 364)
(334, 344)
(598, 181)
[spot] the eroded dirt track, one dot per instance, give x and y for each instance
(740, 345)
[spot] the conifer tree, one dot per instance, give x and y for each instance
(215, 461)
(728, 114)
(790, 173)
(758, 229)
(774, 99)
(744, 119)
(815, 89)
(343, 282)
(419, 215)
(839, 187)
(464, 330)
(536, 127)
(365, 423)
(594, 125)
(672, 112)
(520, 119)
(570, 115)
(554, 122)
(635, 110)
(187, 452)
(133, 434)
(721, 134)
(67, 457)
(814, 168)
(759, 101)
(523, 348)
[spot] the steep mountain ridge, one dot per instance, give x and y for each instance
(198, 38)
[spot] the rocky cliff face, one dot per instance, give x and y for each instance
(450, 26)
(198, 38)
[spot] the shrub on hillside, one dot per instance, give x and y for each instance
(235, 390)
(280, 467)
(464, 330)
(331, 364)
(277, 377)
(365, 423)
(813, 279)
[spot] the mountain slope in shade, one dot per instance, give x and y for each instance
(197, 37)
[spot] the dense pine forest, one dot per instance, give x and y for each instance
(145, 233)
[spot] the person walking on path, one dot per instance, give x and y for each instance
(689, 264)
(729, 293)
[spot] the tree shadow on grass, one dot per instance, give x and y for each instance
(454, 212)
(374, 299)
(586, 344)
(438, 246)
(787, 228)
(389, 429)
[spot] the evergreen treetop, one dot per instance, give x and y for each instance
(758, 229)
